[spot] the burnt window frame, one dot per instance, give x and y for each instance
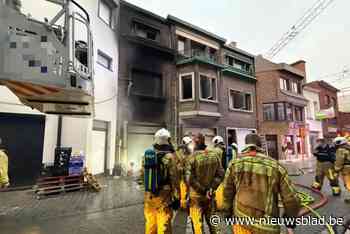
(181, 88)
(200, 87)
(153, 75)
(136, 22)
(231, 104)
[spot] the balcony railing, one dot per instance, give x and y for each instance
(197, 53)
(234, 69)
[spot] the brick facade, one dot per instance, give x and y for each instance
(330, 126)
(268, 92)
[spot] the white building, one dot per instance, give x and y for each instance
(314, 126)
(32, 136)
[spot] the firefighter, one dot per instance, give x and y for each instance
(219, 147)
(4, 178)
(184, 153)
(325, 155)
(232, 152)
(159, 175)
(342, 163)
(252, 186)
(203, 174)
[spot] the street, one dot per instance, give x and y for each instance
(117, 209)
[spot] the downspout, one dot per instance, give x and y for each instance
(117, 167)
(59, 132)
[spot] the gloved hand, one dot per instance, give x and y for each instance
(175, 204)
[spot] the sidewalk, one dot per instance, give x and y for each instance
(116, 193)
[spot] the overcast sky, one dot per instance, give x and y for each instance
(257, 24)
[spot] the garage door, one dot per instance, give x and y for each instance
(139, 139)
(23, 138)
(137, 144)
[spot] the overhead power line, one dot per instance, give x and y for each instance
(309, 16)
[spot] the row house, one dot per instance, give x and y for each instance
(176, 75)
(314, 126)
(216, 85)
(146, 82)
(328, 101)
(281, 104)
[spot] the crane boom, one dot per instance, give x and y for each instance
(309, 16)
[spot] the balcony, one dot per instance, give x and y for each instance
(230, 70)
(197, 55)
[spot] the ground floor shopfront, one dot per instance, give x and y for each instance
(285, 141)
(211, 127)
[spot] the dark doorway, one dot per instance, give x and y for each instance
(231, 136)
(272, 148)
(23, 138)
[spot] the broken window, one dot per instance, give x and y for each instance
(208, 87)
(186, 87)
(147, 83)
(146, 32)
(240, 100)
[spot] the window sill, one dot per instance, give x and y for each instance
(187, 100)
(239, 110)
(104, 22)
(208, 101)
(109, 69)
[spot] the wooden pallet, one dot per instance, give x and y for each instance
(59, 184)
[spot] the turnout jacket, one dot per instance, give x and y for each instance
(342, 163)
(204, 170)
(4, 178)
(252, 186)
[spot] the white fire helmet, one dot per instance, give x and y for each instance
(162, 137)
(340, 141)
(186, 140)
(234, 145)
(218, 140)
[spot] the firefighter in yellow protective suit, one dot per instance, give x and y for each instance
(184, 154)
(159, 175)
(342, 163)
(203, 174)
(4, 178)
(252, 186)
(325, 155)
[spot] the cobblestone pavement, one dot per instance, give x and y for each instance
(119, 209)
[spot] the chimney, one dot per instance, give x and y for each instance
(300, 65)
(232, 44)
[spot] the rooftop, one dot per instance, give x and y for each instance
(323, 84)
(143, 11)
(195, 28)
